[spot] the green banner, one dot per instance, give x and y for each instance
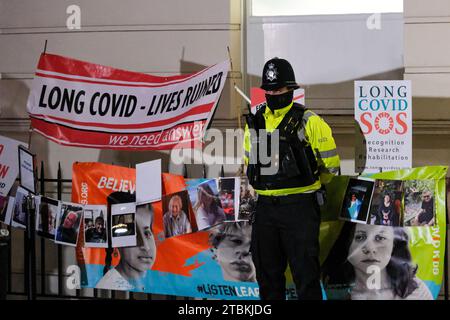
(361, 261)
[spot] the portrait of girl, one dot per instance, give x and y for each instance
(370, 262)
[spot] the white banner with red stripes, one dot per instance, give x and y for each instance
(82, 104)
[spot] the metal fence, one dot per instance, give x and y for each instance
(31, 276)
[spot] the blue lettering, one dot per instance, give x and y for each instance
(376, 103)
(402, 106)
(360, 106)
(385, 104)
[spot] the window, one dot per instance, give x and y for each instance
(323, 7)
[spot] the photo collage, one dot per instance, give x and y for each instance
(205, 203)
(394, 203)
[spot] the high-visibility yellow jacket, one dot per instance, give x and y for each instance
(317, 133)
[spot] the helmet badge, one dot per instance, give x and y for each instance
(271, 73)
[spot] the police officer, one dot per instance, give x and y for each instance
(287, 220)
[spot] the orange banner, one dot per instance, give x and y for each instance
(93, 182)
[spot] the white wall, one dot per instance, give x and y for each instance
(328, 48)
(427, 57)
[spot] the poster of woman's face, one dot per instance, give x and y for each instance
(176, 218)
(419, 203)
(193, 185)
(230, 243)
(248, 198)
(20, 215)
(386, 206)
(357, 200)
(68, 223)
(95, 226)
(206, 204)
(371, 262)
(46, 212)
(229, 190)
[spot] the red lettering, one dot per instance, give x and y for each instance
(3, 171)
(366, 122)
(401, 122)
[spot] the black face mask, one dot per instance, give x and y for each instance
(279, 101)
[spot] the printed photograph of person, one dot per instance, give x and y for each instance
(192, 188)
(386, 206)
(230, 243)
(419, 203)
(248, 198)
(357, 200)
(364, 251)
(95, 226)
(176, 214)
(229, 196)
(206, 204)
(130, 272)
(46, 217)
(68, 224)
(19, 217)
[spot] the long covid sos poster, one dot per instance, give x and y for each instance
(383, 110)
(395, 263)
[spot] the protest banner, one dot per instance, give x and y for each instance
(202, 264)
(408, 262)
(82, 104)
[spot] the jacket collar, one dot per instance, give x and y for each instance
(278, 112)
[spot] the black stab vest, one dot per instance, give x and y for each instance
(297, 165)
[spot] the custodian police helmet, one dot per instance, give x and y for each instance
(278, 73)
